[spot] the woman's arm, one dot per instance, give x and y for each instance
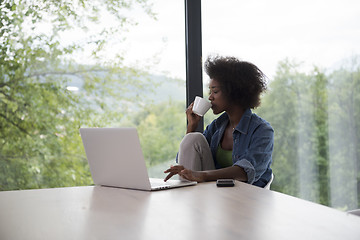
(193, 119)
(258, 156)
(233, 172)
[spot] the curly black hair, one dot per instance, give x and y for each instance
(241, 82)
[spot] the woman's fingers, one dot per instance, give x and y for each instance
(187, 174)
(184, 173)
(173, 170)
(169, 176)
(191, 175)
(191, 105)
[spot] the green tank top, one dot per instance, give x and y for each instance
(224, 157)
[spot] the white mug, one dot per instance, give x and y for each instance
(201, 106)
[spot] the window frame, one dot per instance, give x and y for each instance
(193, 48)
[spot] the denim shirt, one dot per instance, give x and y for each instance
(253, 141)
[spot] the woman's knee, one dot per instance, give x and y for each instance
(192, 139)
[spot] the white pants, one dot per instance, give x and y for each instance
(195, 153)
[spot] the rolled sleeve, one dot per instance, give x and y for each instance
(257, 158)
(248, 168)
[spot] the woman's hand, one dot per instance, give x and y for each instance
(193, 119)
(187, 174)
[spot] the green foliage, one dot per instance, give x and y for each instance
(161, 128)
(344, 134)
(280, 111)
(39, 119)
(315, 118)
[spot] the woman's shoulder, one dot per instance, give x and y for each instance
(259, 121)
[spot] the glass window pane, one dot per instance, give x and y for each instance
(87, 64)
(159, 45)
(309, 50)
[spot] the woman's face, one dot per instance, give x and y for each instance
(217, 97)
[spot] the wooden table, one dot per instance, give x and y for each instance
(197, 212)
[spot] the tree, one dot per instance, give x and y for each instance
(161, 128)
(315, 118)
(39, 119)
(279, 107)
(344, 134)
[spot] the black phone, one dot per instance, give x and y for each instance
(225, 183)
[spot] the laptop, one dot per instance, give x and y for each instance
(116, 160)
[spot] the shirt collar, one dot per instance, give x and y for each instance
(243, 125)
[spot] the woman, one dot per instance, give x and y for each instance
(236, 145)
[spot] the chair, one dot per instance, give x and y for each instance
(269, 183)
(355, 212)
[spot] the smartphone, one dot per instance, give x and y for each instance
(225, 183)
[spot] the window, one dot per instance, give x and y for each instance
(309, 50)
(135, 76)
(61, 70)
